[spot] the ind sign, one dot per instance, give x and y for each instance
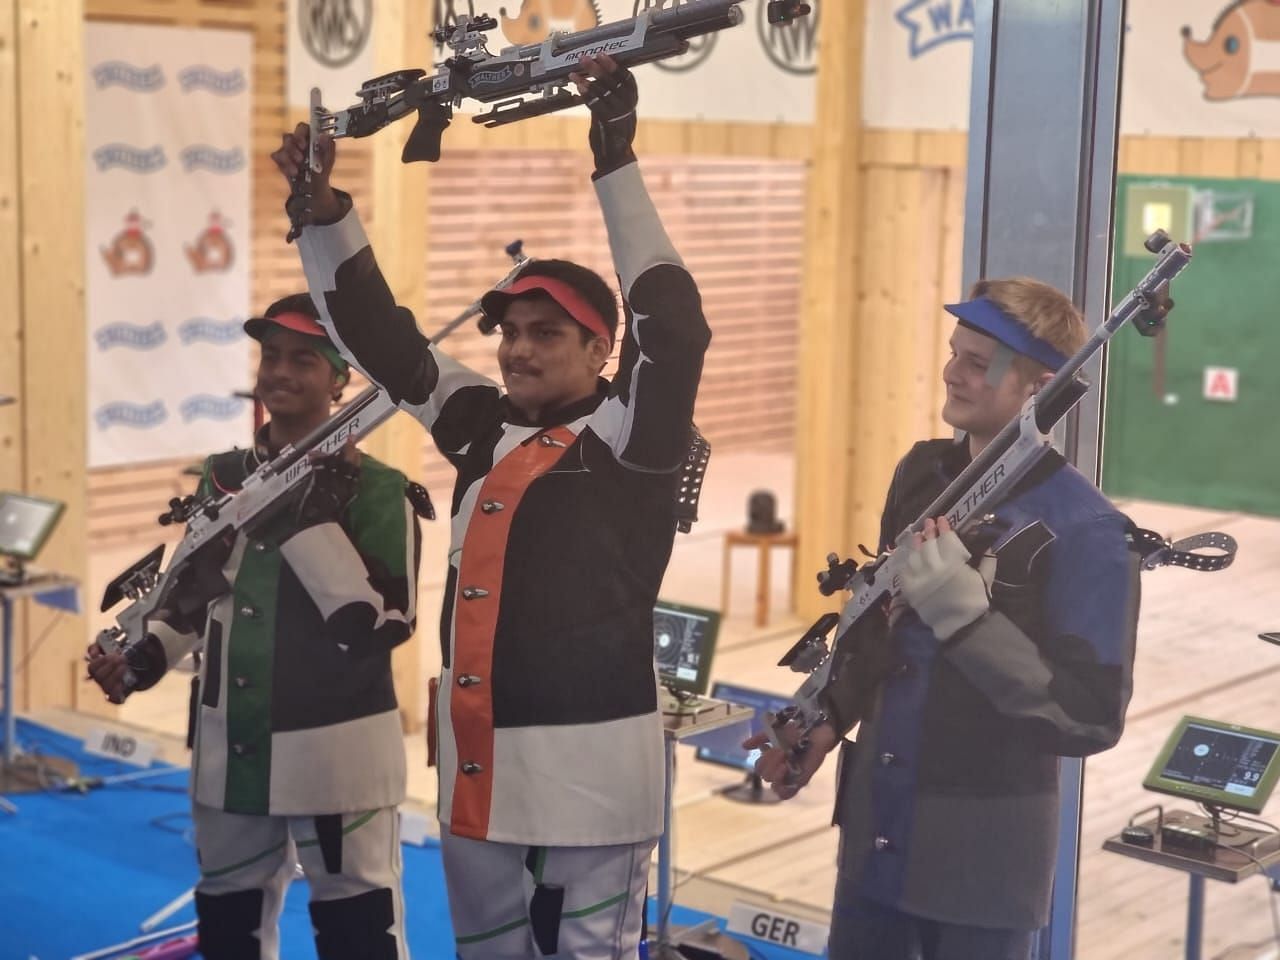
(759, 923)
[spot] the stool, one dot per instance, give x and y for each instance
(762, 542)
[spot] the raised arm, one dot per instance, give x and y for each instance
(646, 419)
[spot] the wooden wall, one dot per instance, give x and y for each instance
(42, 352)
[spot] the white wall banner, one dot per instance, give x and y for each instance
(330, 47)
(1192, 68)
(167, 218)
(916, 64)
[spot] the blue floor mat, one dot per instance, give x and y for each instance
(81, 871)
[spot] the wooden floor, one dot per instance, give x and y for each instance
(1198, 652)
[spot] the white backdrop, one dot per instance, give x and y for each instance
(750, 73)
(919, 53)
(330, 47)
(167, 217)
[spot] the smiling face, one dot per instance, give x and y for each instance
(973, 403)
(544, 360)
(295, 381)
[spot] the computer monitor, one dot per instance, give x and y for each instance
(684, 641)
(1218, 764)
(724, 746)
(25, 525)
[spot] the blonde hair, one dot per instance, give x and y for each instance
(1046, 312)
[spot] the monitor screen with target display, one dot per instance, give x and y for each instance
(1217, 763)
(684, 640)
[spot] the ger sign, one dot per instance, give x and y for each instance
(806, 936)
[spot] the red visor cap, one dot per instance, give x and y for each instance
(297, 322)
(495, 302)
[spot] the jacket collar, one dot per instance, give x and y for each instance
(561, 415)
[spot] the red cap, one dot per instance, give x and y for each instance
(297, 322)
(495, 302)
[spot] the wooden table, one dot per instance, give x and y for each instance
(763, 542)
(1241, 854)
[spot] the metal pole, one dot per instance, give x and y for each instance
(665, 870)
(1195, 917)
(10, 724)
(1043, 134)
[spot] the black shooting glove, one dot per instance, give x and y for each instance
(612, 100)
(327, 492)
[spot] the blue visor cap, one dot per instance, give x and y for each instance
(985, 317)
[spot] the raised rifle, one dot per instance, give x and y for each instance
(967, 503)
(529, 80)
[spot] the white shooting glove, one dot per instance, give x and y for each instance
(938, 583)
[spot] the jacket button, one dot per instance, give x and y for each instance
(474, 593)
(239, 749)
(492, 506)
(470, 768)
(882, 844)
(248, 611)
(887, 759)
(242, 682)
(260, 547)
(468, 680)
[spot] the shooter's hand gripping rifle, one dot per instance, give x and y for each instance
(967, 503)
(524, 81)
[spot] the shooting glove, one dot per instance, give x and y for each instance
(327, 492)
(146, 661)
(612, 101)
(938, 583)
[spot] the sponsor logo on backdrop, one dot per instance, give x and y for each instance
(224, 83)
(212, 251)
(139, 416)
(539, 19)
(135, 336)
(335, 31)
(117, 73)
(209, 330)
(131, 158)
(1241, 55)
(205, 406)
(931, 23)
(201, 156)
(793, 47)
(130, 251)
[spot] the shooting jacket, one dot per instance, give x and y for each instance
(549, 729)
(296, 711)
(949, 800)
